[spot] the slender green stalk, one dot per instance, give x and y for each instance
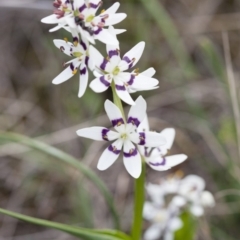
(138, 204)
(117, 101)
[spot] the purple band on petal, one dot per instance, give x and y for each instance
(117, 122)
(142, 138)
(92, 5)
(83, 71)
(75, 39)
(82, 7)
(113, 53)
(158, 163)
(126, 59)
(134, 121)
(132, 152)
(104, 134)
(72, 66)
(120, 88)
(104, 81)
(104, 64)
(83, 45)
(98, 31)
(86, 60)
(114, 149)
(130, 82)
(146, 152)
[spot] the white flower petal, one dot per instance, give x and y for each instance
(115, 18)
(98, 133)
(114, 115)
(83, 80)
(132, 159)
(174, 160)
(100, 84)
(144, 125)
(137, 112)
(110, 155)
(207, 199)
(119, 31)
(54, 29)
(175, 224)
(169, 135)
(149, 211)
(123, 93)
(51, 19)
(141, 82)
(153, 232)
(105, 36)
(112, 9)
(64, 46)
(67, 73)
(197, 210)
(131, 58)
(149, 72)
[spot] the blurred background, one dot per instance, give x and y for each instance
(194, 47)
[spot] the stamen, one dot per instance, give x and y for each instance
(119, 123)
(74, 71)
(102, 11)
(65, 39)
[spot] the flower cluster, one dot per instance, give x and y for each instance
(171, 198)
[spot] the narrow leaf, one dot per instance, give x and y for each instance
(84, 233)
(52, 151)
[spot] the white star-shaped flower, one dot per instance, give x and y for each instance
(79, 50)
(112, 69)
(81, 15)
(192, 189)
(125, 137)
(165, 220)
(157, 157)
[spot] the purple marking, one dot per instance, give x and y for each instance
(92, 5)
(82, 7)
(72, 66)
(98, 31)
(75, 39)
(83, 45)
(130, 82)
(142, 138)
(114, 150)
(104, 134)
(112, 53)
(62, 49)
(120, 88)
(158, 164)
(126, 59)
(104, 81)
(131, 154)
(104, 64)
(145, 152)
(116, 122)
(71, 49)
(130, 65)
(83, 71)
(86, 60)
(134, 121)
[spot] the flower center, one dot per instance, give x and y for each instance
(89, 18)
(116, 71)
(124, 136)
(77, 54)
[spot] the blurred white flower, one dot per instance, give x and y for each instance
(165, 220)
(125, 137)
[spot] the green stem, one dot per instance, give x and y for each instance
(138, 204)
(117, 101)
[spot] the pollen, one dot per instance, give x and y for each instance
(103, 11)
(74, 71)
(65, 39)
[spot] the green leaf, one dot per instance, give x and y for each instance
(54, 152)
(88, 234)
(187, 232)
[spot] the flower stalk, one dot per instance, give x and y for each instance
(139, 199)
